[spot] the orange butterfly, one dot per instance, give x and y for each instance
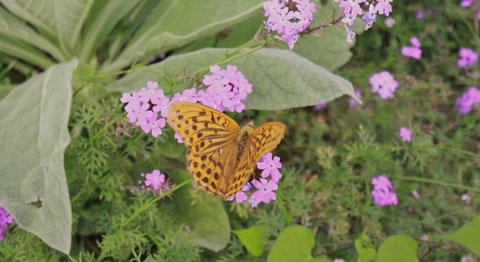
(221, 157)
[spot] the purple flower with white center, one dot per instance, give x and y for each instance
(153, 180)
(241, 196)
(350, 35)
(384, 7)
(5, 219)
(467, 57)
(384, 84)
(151, 93)
(139, 113)
(152, 124)
(405, 134)
(413, 51)
(288, 18)
(467, 100)
(188, 95)
(132, 101)
(369, 17)
(270, 166)
(320, 106)
(352, 102)
(265, 191)
(382, 192)
(162, 106)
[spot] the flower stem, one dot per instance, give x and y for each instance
(153, 201)
(432, 181)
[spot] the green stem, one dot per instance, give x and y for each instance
(153, 201)
(432, 181)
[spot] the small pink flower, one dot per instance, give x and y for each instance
(468, 57)
(320, 106)
(384, 84)
(270, 166)
(265, 192)
(382, 192)
(5, 219)
(405, 134)
(179, 138)
(154, 180)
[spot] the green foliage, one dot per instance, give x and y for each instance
(364, 248)
(400, 248)
(252, 238)
(467, 235)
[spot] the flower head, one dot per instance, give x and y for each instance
(384, 84)
(467, 57)
(467, 100)
(413, 51)
(265, 191)
(466, 3)
(405, 134)
(153, 180)
(5, 219)
(270, 167)
(382, 192)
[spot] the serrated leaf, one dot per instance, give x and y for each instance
(204, 215)
(33, 130)
(167, 27)
(294, 243)
(281, 79)
(399, 248)
(468, 236)
(252, 238)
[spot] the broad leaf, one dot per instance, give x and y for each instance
(70, 16)
(252, 238)
(468, 236)
(175, 23)
(13, 27)
(34, 134)
(38, 13)
(399, 248)
(27, 53)
(204, 215)
(364, 248)
(281, 79)
(294, 243)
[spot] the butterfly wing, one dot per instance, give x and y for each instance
(264, 139)
(210, 137)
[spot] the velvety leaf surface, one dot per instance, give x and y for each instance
(399, 248)
(175, 23)
(204, 215)
(294, 243)
(39, 13)
(468, 236)
(252, 238)
(281, 79)
(34, 135)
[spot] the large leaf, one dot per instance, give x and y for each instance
(175, 23)
(102, 24)
(34, 134)
(252, 238)
(204, 215)
(364, 248)
(27, 53)
(399, 248)
(294, 243)
(281, 79)
(468, 236)
(38, 13)
(13, 27)
(70, 16)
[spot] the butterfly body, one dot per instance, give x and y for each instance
(221, 157)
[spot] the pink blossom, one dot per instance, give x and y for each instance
(154, 180)
(467, 100)
(466, 3)
(382, 192)
(384, 84)
(270, 167)
(413, 51)
(265, 192)
(5, 219)
(405, 134)
(467, 57)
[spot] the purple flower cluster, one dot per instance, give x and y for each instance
(405, 134)
(152, 180)
(466, 3)
(384, 84)
(413, 51)
(288, 18)
(467, 100)
(467, 57)
(225, 89)
(382, 192)
(262, 190)
(148, 108)
(367, 10)
(5, 219)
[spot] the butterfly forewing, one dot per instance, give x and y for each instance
(263, 140)
(210, 137)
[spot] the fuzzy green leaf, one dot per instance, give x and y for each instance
(399, 248)
(39, 13)
(281, 79)
(175, 23)
(364, 248)
(33, 130)
(294, 243)
(468, 236)
(204, 215)
(252, 238)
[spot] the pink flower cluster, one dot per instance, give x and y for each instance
(413, 51)
(367, 10)
(225, 89)
(152, 180)
(5, 219)
(288, 18)
(382, 192)
(148, 108)
(467, 57)
(265, 186)
(405, 134)
(468, 3)
(467, 100)
(384, 84)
